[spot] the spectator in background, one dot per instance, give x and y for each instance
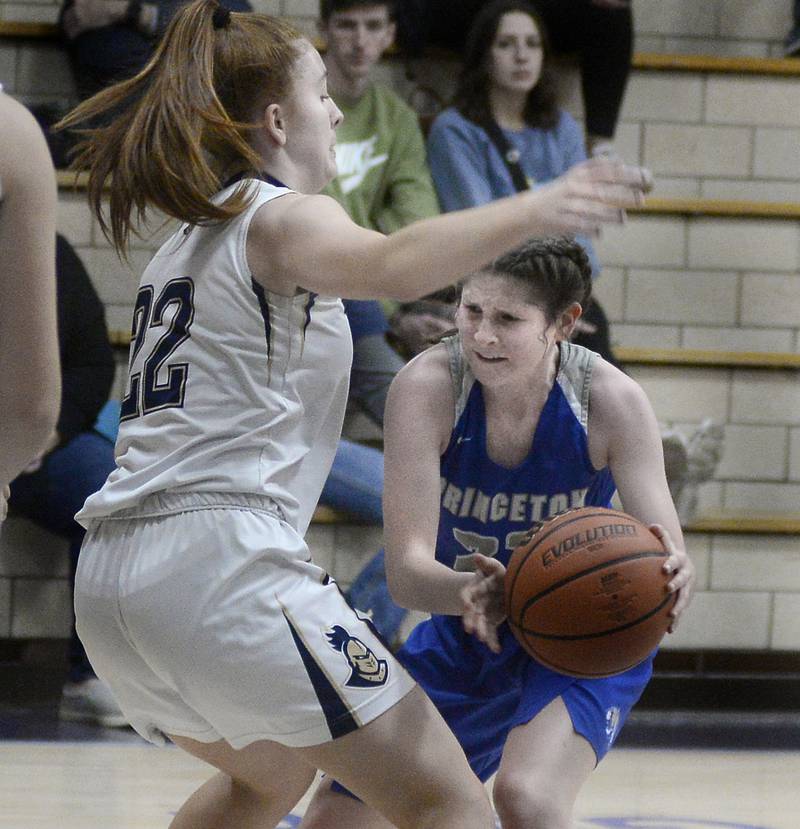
(383, 180)
(109, 40)
(29, 376)
(384, 184)
(599, 32)
(77, 459)
(506, 132)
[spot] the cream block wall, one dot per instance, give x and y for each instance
(794, 455)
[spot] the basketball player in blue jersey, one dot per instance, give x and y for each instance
(488, 433)
(196, 596)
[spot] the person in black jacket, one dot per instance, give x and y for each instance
(78, 458)
(109, 40)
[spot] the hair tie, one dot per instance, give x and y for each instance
(221, 17)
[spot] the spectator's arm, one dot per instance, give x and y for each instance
(411, 195)
(458, 165)
(570, 137)
(84, 15)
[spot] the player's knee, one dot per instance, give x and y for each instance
(473, 810)
(521, 802)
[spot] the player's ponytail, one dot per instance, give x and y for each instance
(169, 135)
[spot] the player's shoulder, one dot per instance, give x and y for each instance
(614, 393)
(18, 129)
(427, 374)
(422, 393)
(294, 208)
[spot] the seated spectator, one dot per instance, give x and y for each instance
(77, 459)
(599, 32)
(506, 132)
(383, 182)
(109, 40)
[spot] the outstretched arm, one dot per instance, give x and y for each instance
(340, 258)
(30, 385)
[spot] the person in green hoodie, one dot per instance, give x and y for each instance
(383, 179)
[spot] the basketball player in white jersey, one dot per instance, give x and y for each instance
(196, 596)
(30, 380)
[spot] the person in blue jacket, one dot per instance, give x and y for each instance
(506, 88)
(496, 429)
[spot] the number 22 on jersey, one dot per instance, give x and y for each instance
(155, 383)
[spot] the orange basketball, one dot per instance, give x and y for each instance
(586, 595)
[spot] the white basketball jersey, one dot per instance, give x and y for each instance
(231, 388)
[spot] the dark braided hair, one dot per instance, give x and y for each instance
(556, 271)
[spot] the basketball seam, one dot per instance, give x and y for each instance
(580, 636)
(587, 572)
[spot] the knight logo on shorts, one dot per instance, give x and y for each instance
(366, 670)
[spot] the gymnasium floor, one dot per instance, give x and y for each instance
(62, 776)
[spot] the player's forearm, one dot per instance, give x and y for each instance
(425, 585)
(26, 424)
(427, 256)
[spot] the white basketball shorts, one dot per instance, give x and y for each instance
(205, 615)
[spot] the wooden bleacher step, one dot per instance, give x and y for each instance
(651, 356)
(698, 357)
(733, 208)
(28, 29)
(719, 64)
(729, 208)
(742, 523)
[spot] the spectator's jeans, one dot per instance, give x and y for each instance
(355, 482)
(52, 495)
(370, 594)
(355, 486)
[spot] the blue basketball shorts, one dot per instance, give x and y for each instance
(482, 706)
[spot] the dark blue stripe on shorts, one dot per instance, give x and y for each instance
(337, 713)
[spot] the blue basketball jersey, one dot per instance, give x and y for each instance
(488, 508)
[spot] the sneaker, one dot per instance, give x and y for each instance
(604, 149)
(90, 701)
(704, 450)
(676, 461)
(791, 46)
